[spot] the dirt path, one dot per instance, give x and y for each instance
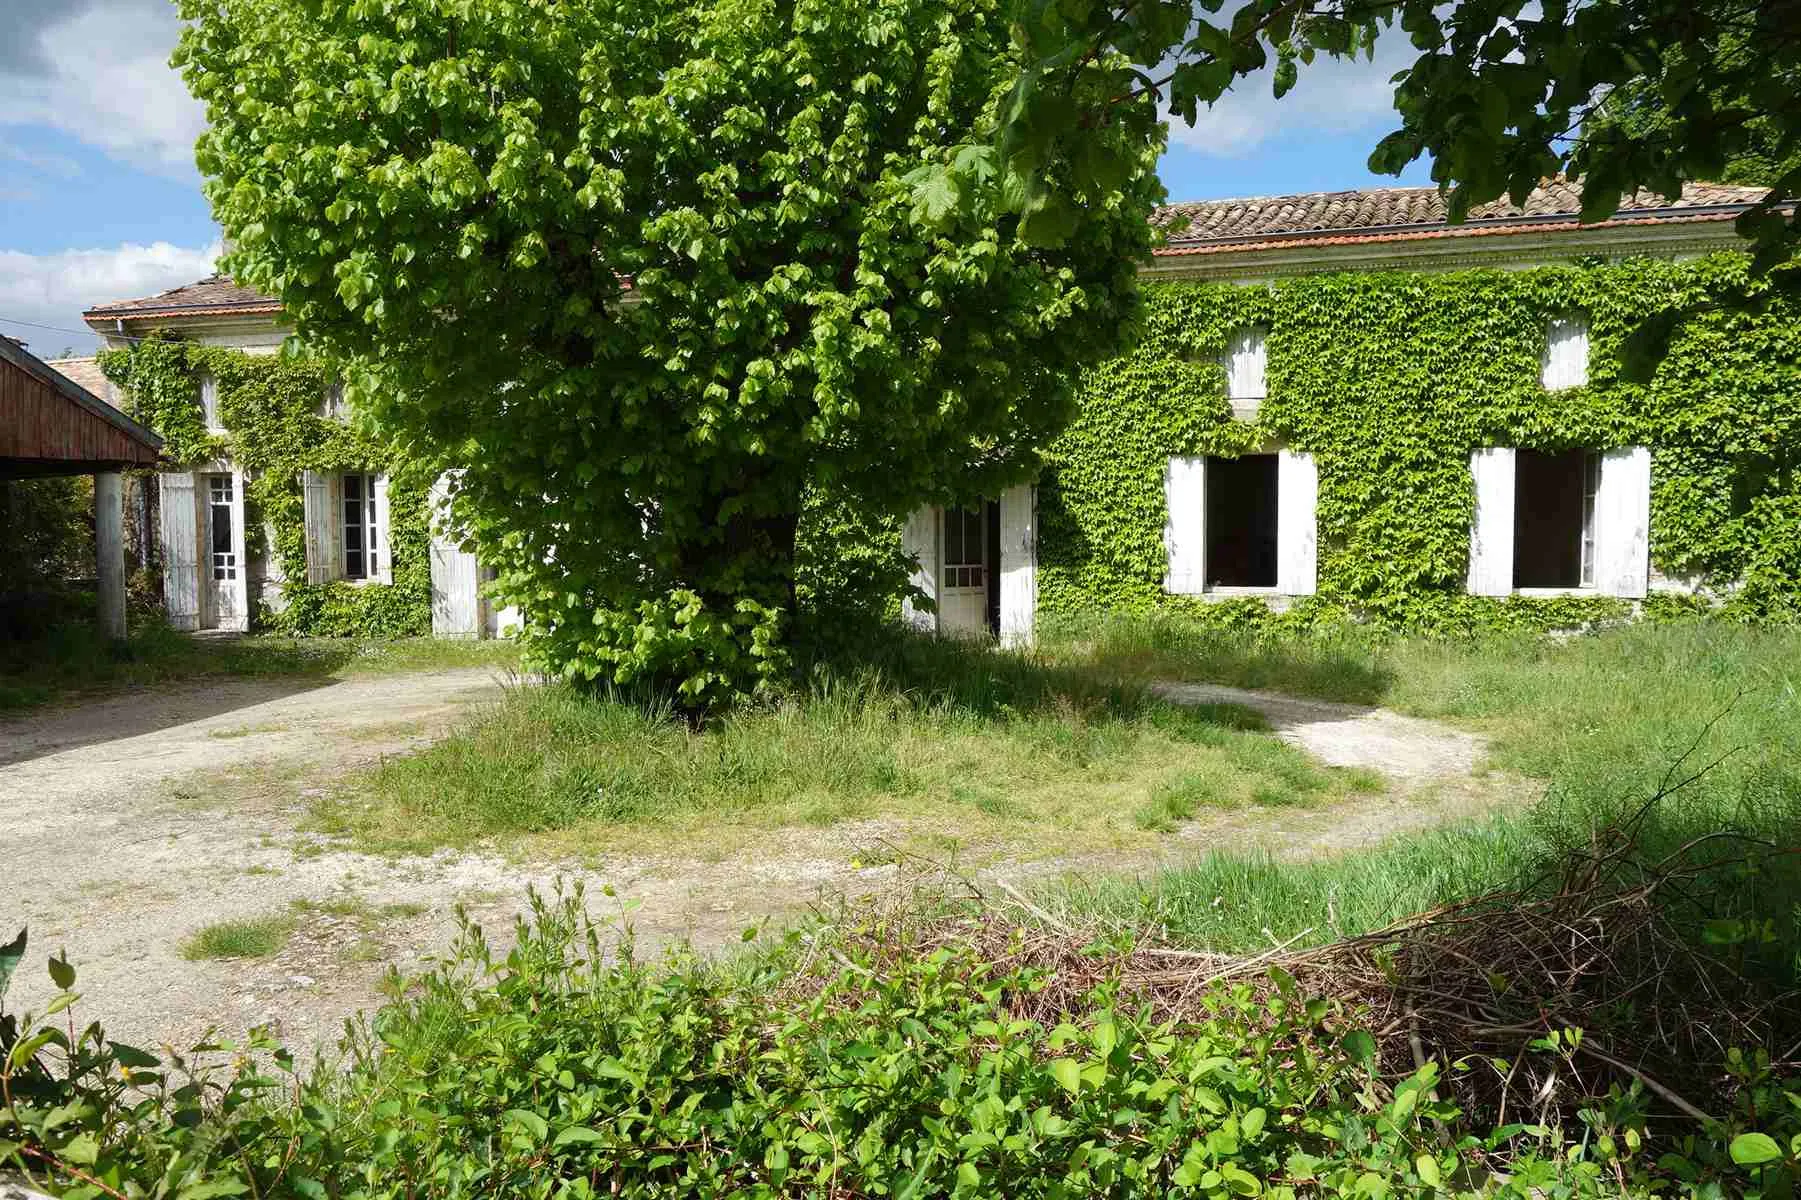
(110, 848)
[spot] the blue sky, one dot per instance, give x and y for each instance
(99, 199)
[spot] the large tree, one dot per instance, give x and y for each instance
(650, 271)
(1501, 93)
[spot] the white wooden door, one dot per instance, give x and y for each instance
(963, 572)
(223, 564)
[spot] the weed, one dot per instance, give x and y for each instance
(251, 937)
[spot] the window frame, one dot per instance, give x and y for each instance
(366, 526)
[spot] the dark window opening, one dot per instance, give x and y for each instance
(1554, 518)
(991, 513)
(1241, 521)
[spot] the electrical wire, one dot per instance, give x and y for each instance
(78, 333)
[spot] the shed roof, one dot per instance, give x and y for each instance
(51, 425)
(1399, 214)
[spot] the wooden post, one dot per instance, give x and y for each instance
(109, 547)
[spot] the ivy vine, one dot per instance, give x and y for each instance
(271, 408)
(1391, 379)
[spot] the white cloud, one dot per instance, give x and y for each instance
(53, 289)
(1333, 96)
(100, 72)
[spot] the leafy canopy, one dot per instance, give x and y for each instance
(1502, 93)
(652, 273)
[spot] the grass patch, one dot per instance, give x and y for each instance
(75, 658)
(1601, 717)
(252, 937)
(961, 746)
(366, 915)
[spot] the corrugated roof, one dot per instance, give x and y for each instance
(216, 295)
(1381, 213)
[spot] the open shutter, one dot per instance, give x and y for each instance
(322, 517)
(1019, 563)
(1185, 525)
(919, 541)
(1297, 524)
(382, 568)
(1491, 529)
(1623, 523)
(181, 549)
(240, 544)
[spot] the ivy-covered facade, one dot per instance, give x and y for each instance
(276, 510)
(1340, 406)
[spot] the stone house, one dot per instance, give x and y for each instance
(1244, 505)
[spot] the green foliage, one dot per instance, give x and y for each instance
(272, 408)
(898, 1071)
(452, 199)
(250, 937)
(46, 539)
(1390, 380)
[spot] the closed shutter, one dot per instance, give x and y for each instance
(1623, 523)
(1491, 528)
(322, 517)
(456, 577)
(381, 568)
(1565, 363)
(181, 549)
(919, 541)
(1247, 369)
(1185, 526)
(1297, 524)
(1019, 563)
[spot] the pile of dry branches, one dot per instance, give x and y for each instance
(1592, 946)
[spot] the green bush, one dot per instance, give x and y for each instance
(873, 1064)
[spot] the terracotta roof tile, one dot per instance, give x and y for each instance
(1401, 212)
(214, 295)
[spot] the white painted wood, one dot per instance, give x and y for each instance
(1247, 371)
(456, 609)
(1185, 526)
(1491, 528)
(919, 542)
(1019, 564)
(238, 586)
(321, 518)
(963, 609)
(1297, 523)
(178, 516)
(383, 568)
(109, 550)
(209, 403)
(1565, 361)
(1623, 523)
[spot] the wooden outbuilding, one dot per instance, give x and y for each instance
(50, 425)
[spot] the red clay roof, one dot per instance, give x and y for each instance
(216, 295)
(1402, 214)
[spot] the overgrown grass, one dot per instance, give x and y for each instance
(949, 746)
(251, 937)
(1602, 718)
(75, 658)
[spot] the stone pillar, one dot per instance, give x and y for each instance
(109, 547)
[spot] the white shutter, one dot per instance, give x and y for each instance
(1623, 523)
(322, 517)
(1247, 371)
(919, 541)
(181, 549)
(1019, 563)
(1297, 524)
(1565, 362)
(382, 568)
(240, 581)
(1491, 528)
(455, 574)
(1185, 525)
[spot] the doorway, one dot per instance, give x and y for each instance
(224, 591)
(1241, 521)
(969, 578)
(1554, 518)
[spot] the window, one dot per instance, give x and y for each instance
(965, 548)
(209, 404)
(334, 407)
(218, 524)
(1241, 521)
(362, 538)
(1565, 364)
(1554, 518)
(1247, 363)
